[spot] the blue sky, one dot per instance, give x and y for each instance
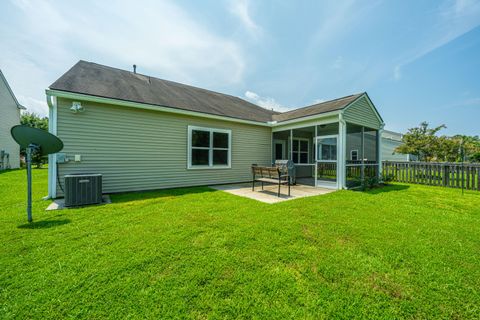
(418, 60)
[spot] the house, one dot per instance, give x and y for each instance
(146, 133)
(390, 141)
(9, 117)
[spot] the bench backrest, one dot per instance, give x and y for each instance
(266, 172)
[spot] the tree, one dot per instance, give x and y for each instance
(448, 149)
(33, 120)
(475, 157)
(421, 141)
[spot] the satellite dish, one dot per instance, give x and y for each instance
(46, 143)
(34, 140)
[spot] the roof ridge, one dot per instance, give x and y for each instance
(320, 103)
(182, 84)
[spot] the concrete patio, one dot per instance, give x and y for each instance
(269, 192)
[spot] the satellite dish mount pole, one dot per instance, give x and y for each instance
(34, 140)
(30, 150)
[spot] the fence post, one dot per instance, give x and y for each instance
(444, 175)
(468, 177)
(478, 178)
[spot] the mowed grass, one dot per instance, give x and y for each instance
(403, 251)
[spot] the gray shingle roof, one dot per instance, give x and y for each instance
(323, 107)
(103, 81)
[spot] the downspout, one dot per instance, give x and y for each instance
(342, 128)
(52, 158)
(315, 160)
(379, 153)
(362, 174)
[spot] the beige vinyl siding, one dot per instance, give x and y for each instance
(9, 117)
(360, 112)
(142, 149)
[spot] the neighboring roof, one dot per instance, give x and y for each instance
(19, 106)
(392, 135)
(106, 82)
(323, 107)
(102, 81)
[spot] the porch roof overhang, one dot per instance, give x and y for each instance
(318, 119)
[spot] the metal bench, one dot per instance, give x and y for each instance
(270, 175)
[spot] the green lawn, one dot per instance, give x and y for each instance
(404, 251)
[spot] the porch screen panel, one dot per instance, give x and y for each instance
(361, 154)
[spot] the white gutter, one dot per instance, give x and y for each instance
(52, 158)
(86, 97)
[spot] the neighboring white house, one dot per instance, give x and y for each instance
(390, 141)
(9, 117)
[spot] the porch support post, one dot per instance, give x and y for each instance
(379, 153)
(342, 145)
(272, 151)
(362, 170)
(315, 147)
(291, 144)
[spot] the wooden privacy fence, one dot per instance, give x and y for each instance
(452, 175)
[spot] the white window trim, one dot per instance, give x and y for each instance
(210, 154)
(351, 154)
(299, 152)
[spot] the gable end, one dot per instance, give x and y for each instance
(363, 112)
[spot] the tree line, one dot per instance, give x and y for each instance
(426, 144)
(32, 119)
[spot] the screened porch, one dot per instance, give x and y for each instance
(332, 155)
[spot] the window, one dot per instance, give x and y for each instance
(300, 150)
(354, 155)
(208, 148)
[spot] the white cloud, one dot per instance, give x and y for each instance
(455, 18)
(338, 63)
(469, 102)
(160, 37)
(317, 101)
(397, 72)
(265, 102)
(174, 45)
(337, 21)
(241, 9)
(39, 107)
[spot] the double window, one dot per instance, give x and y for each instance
(300, 149)
(209, 148)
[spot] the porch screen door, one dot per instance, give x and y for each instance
(326, 161)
